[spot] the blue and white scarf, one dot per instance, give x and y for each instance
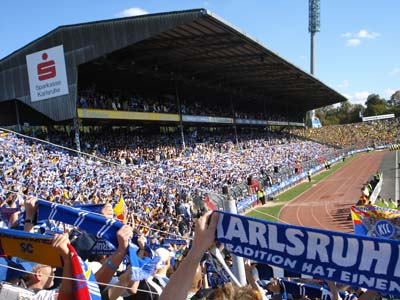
(104, 228)
(311, 291)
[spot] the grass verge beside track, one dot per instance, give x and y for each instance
(271, 210)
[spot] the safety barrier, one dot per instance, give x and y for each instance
(251, 200)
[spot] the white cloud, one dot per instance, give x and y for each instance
(344, 84)
(367, 35)
(130, 12)
(396, 71)
(360, 97)
(388, 93)
(354, 38)
(353, 42)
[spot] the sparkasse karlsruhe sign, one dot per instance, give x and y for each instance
(47, 73)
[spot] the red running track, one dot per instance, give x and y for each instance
(327, 204)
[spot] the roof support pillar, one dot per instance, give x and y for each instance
(265, 110)
(180, 114)
(234, 122)
(238, 268)
(77, 135)
(17, 116)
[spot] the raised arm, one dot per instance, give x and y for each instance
(30, 212)
(334, 290)
(60, 244)
(181, 281)
(369, 295)
(107, 270)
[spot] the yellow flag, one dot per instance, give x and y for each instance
(120, 210)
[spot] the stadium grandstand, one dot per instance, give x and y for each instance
(143, 69)
(170, 79)
(171, 115)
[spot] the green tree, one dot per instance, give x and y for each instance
(332, 117)
(321, 113)
(375, 105)
(394, 103)
(354, 114)
(394, 100)
(344, 112)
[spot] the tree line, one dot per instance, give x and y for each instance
(347, 112)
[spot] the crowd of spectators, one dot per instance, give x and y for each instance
(367, 198)
(130, 101)
(209, 161)
(57, 176)
(365, 134)
(158, 208)
(123, 101)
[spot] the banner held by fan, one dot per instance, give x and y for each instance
(376, 221)
(363, 261)
(29, 246)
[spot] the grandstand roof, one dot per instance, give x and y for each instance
(194, 48)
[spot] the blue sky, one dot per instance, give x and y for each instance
(357, 50)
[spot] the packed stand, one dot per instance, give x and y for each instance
(365, 134)
(209, 161)
(118, 100)
(159, 215)
(266, 156)
(123, 101)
